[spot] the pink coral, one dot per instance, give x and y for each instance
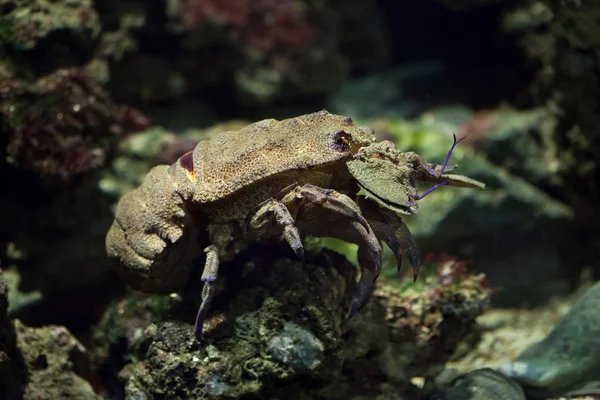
(262, 24)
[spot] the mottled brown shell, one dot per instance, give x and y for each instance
(230, 161)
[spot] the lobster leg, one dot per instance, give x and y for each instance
(277, 211)
(390, 228)
(328, 199)
(220, 236)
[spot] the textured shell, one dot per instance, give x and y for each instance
(232, 160)
(386, 183)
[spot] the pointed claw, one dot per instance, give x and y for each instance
(412, 254)
(415, 273)
(373, 247)
(398, 254)
(413, 258)
(378, 262)
(369, 259)
(299, 251)
(399, 239)
(292, 236)
(375, 251)
(297, 248)
(394, 232)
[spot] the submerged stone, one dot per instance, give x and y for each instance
(283, 318)
(296, 347)
(481, 384)
(568, 359)
(279, 329)
(46, 363)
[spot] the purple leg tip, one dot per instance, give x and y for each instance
(455, 142)
(198, 331)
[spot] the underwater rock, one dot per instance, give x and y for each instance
(41, 363)
(501, 334)
(296, 347)
(568, 359)
(126, 326)
(257, 317)
(63, 125)
(59, 127)
(278, 328)
(57, 364)
(566, 83)
(59, 121)
(481, 384)
(560, 38)
(12, 366)
(27, 22)
(299, 49)
(429, 319)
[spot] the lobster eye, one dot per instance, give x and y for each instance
(341, 140)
